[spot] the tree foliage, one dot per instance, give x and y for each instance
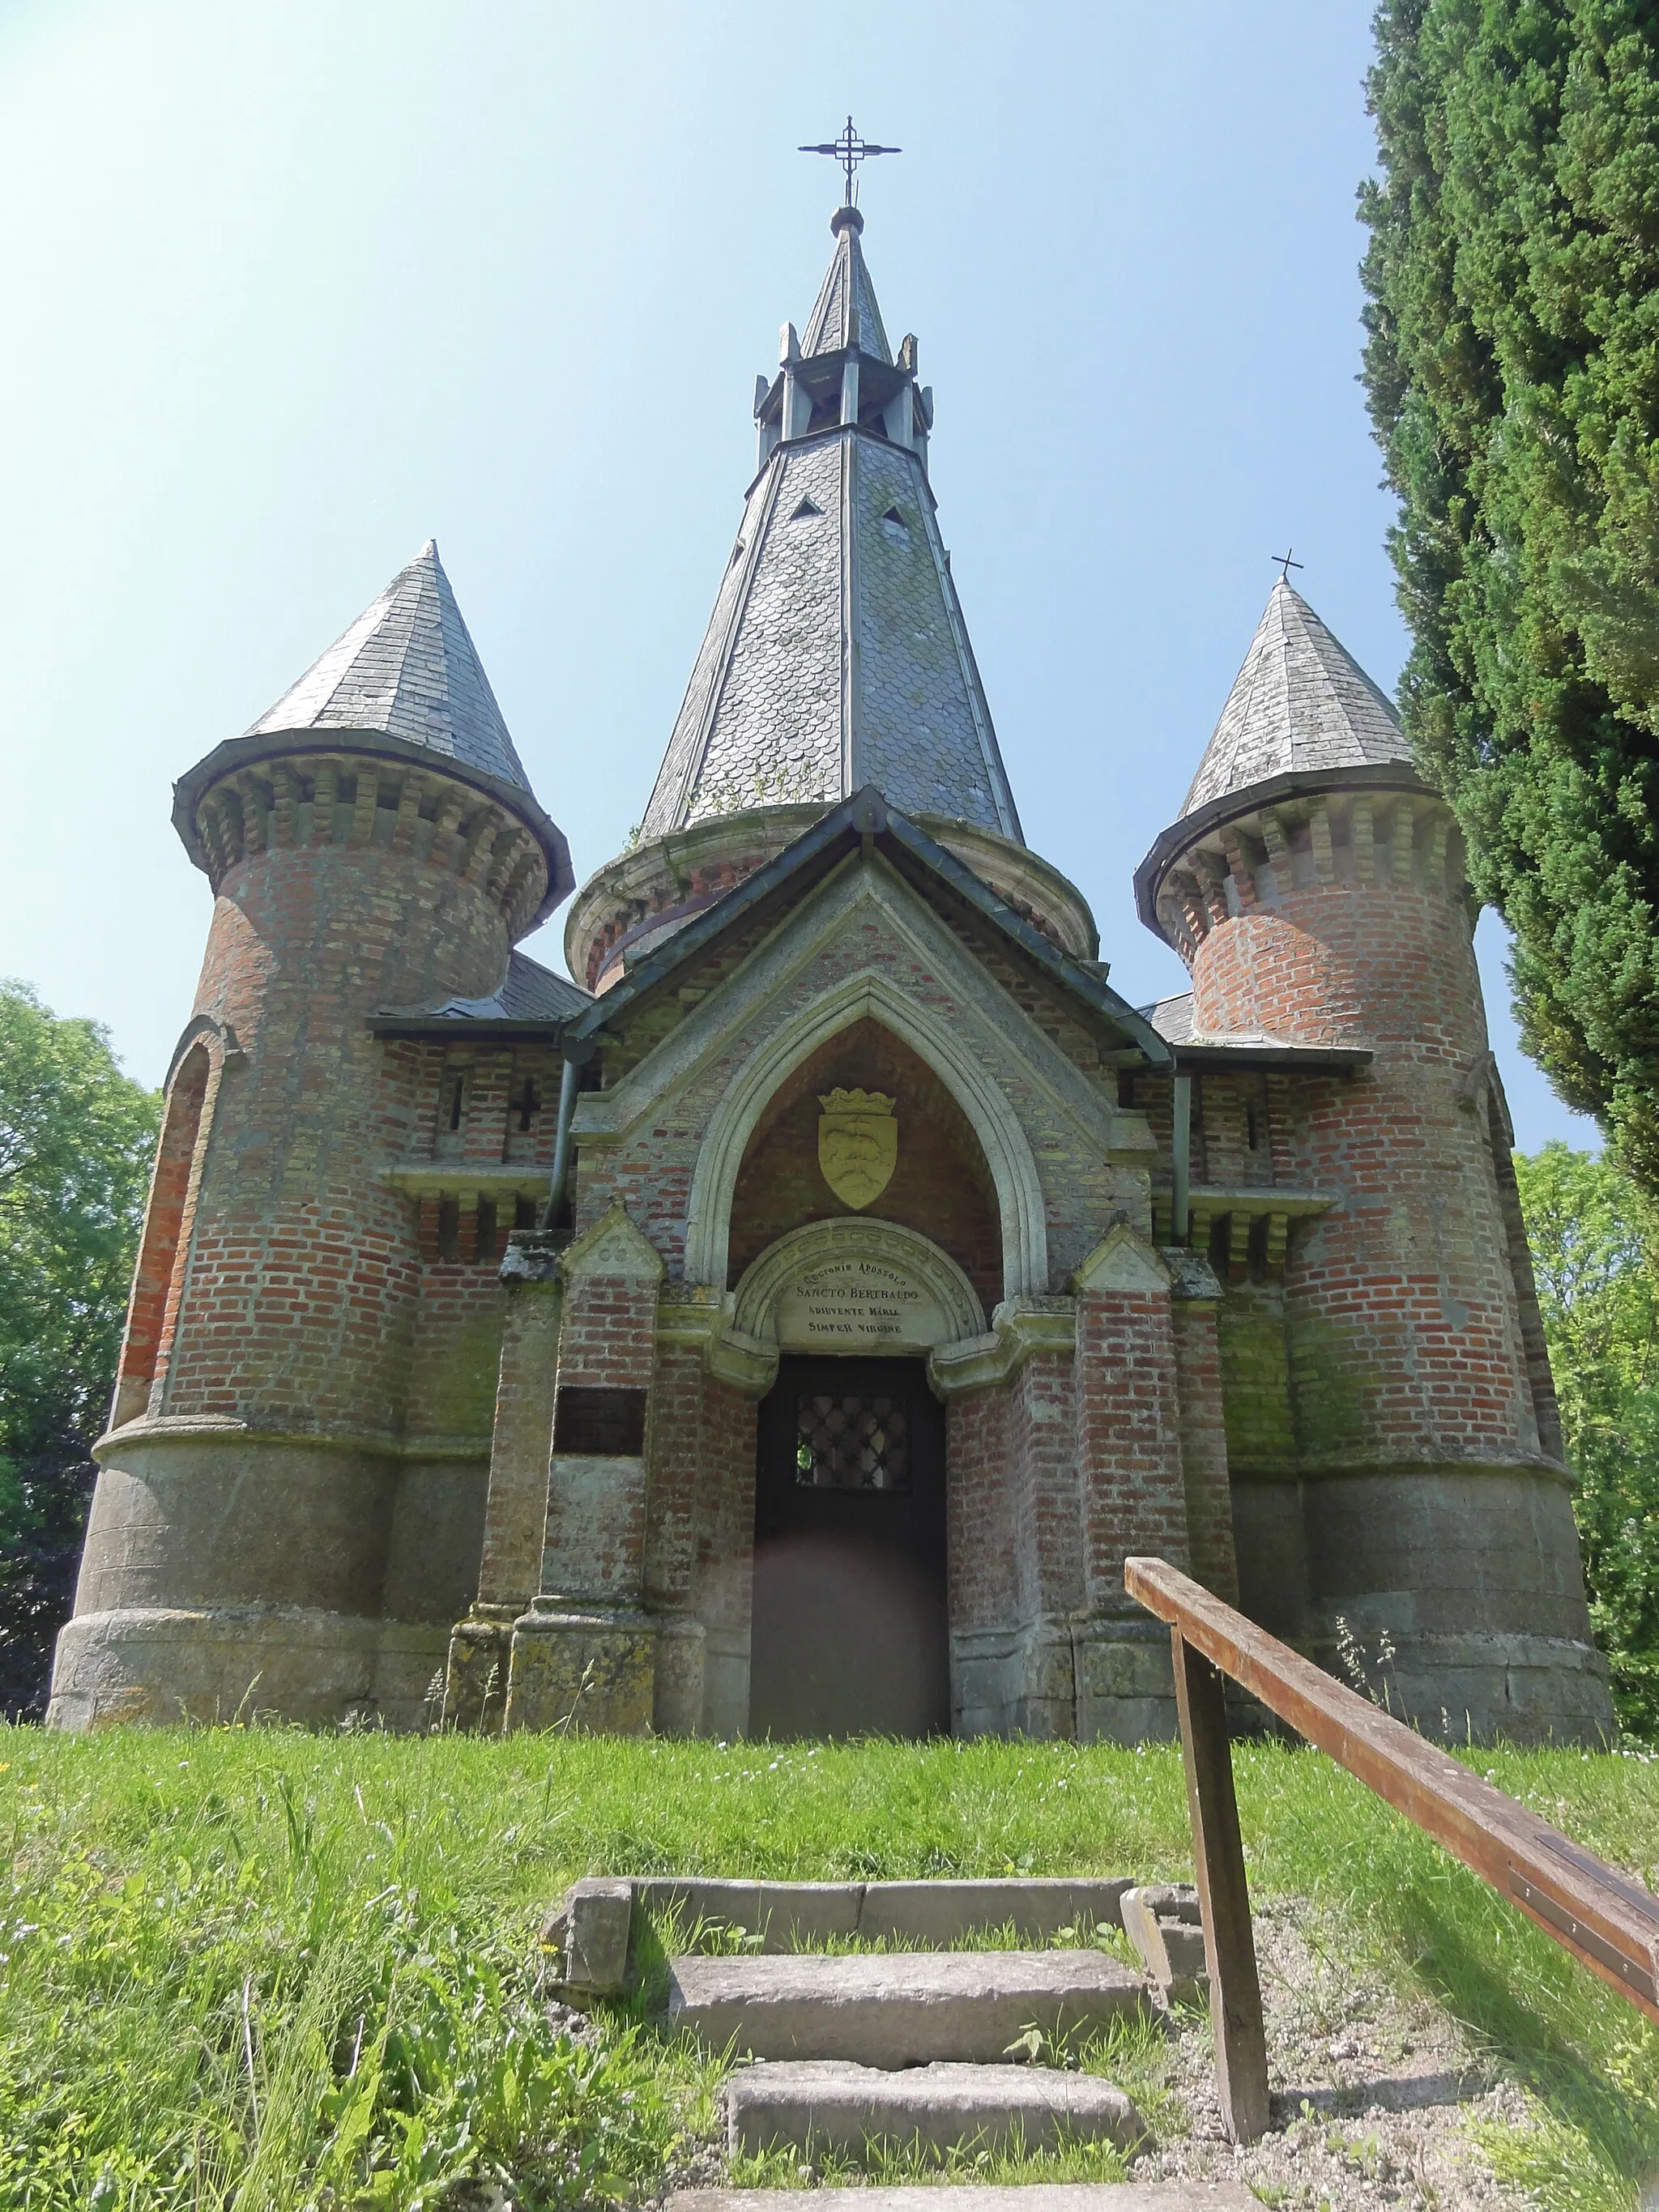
(1512, 369)
(1599, 1290)
(76, 1138)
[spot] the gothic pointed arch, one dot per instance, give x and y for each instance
(1003, 1142)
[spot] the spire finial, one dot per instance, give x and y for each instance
(1286, 564)
(849, 149)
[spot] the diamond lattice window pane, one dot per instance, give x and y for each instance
(852, 1444)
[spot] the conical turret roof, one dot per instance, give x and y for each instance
(1300, 703)
(837, 656)
(408, 669)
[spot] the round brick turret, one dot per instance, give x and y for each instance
(1425, 1504)
(258, 1471)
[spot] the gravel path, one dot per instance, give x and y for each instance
(1373, 2095)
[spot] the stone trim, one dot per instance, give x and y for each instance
(1020, 1328)
(610, 1117)
(888, 1243)
(215, 1429)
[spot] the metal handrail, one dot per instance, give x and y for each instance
(1606, 1920)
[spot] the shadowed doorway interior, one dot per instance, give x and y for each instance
(849, 1634)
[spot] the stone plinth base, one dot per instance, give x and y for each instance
(591, 1667)
(218, 1663)
(475, 1681)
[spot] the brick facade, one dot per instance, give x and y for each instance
(463, 1287)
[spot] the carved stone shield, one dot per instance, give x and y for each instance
(858, 1144)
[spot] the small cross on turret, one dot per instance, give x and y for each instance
(849, 149)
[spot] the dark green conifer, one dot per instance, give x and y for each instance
(1513, 373)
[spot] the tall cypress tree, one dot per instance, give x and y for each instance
(1512, 367)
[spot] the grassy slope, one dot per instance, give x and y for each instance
(262, 1968)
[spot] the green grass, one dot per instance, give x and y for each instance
(258, 1968)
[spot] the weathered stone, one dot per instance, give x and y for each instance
(818, 2106)
(900, 2008)
(795, 1915)
(588, 1934)
(589, 1671)
(943, 1912)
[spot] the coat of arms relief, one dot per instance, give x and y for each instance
(858, 1144)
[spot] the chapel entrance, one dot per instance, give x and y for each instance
(849, 1634)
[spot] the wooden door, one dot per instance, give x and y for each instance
(849, 1634)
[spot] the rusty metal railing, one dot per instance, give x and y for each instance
(1605, 1920)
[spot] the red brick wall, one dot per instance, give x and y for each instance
(1042, 1462)
(1403, 1314)
(979, 1504)
(299, 1304)
(1127, 1436)
(1203, 1447)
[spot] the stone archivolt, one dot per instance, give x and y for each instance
(470, 1299)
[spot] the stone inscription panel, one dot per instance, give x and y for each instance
(858, 1305)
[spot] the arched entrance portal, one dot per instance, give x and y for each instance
(849, 1634)
(849, 1628)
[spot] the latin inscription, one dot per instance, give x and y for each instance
(852, 1305)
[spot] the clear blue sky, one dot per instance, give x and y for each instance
(292, 287)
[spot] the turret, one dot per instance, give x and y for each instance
(836, 657)
(371, 841)
(1313, 885)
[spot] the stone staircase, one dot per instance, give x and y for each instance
(841, 2049)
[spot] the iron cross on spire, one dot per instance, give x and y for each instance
(849, 149)
(1284, 562)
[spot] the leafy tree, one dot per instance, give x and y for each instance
(76, 1138)
(1512, 369)
(1599, 1290)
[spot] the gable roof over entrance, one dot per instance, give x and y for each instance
(865, 819)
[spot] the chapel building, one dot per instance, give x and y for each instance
(792, 1325)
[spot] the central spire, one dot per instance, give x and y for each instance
(837, 656)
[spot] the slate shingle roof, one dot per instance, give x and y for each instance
(1300, 703)
(836, 655)
(846, 283)
(530, 992)
(407, 668)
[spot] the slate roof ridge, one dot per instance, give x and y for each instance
(408, 669)
(1300, 702)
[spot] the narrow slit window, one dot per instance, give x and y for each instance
(449, 1229)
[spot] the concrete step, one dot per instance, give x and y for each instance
(970, 2197)
(823, 2105)
(898, 2008)
(792, 1916)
